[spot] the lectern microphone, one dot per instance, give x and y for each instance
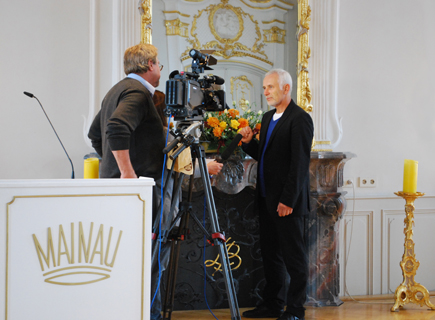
(31, 95)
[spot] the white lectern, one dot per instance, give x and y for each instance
(75, 249)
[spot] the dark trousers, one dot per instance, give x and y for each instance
(284, 253)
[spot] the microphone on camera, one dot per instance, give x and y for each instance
(231, 147)
(215, 79)
(31, 95)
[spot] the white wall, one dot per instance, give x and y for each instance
(64, 53)
(44, 50)
(386, 90)
(387, 105)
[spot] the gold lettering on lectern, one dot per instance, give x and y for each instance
(66, 253)
(39, 250)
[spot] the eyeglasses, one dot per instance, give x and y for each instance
(160, 66)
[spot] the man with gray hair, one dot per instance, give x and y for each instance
(282, 198)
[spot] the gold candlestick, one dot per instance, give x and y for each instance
(409, 290)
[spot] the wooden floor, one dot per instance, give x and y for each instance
(377, 308)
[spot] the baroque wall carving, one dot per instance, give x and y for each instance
(247, 37)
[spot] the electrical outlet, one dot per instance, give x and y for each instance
(347, 182)
(368, 182)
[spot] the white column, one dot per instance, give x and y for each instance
(125, 33)
(323, 72)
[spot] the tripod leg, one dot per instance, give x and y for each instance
(168, 305)
(165, 190)
(226, 269)
(162, 250)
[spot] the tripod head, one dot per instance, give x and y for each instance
(187, 133)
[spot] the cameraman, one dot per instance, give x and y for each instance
(127, 132)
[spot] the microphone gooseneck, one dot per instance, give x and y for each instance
(231, 147)
(31, 95)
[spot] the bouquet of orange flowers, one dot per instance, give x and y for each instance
(220, 128)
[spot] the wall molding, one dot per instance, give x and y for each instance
(384, 198)
(363, 258)
(378, 243)
(393, 243)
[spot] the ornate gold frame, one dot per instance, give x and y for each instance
(146, 21)
(212, 27)
(304, 52)
(227, 48)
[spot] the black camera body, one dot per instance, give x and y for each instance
(187, 96)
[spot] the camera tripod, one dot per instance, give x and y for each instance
(178, 234)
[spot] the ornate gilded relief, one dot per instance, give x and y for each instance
(240, 91)
(266, 1)
(177, 28)
(145, 9)
(227, 24)
(274, 20)
(227, 45)
(274, 34)
(304, 53)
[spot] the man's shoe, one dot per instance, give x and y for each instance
(262, 312)
(288, 316)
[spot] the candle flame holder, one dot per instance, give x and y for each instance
(410, 291)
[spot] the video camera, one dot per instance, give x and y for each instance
(187, 96)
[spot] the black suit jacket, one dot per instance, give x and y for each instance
(286, 159)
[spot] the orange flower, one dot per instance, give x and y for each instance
(258, 126)
(243, 123)
(213, 122)
(217, 132)
(233, 113)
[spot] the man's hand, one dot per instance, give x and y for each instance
(122, 158)
(283, 210)
(128, 175)
(214, 167)
(247, 134)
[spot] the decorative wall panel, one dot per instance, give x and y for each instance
(357, 252)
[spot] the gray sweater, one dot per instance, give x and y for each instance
(129, 120)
